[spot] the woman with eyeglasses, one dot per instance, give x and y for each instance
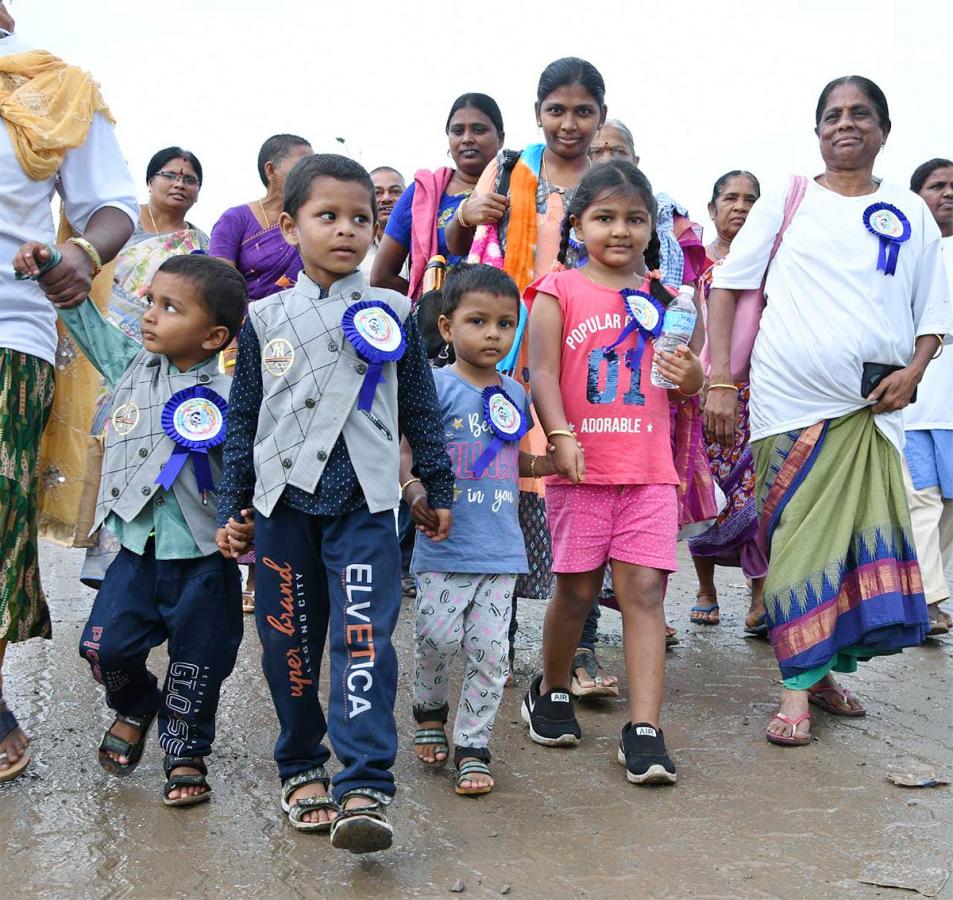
(174, 179)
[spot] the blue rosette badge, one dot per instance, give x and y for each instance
(377, 335)
(645, 315)
(892, 229)
(194, 418)
(506, 422)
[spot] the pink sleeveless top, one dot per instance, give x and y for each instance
(621, 419)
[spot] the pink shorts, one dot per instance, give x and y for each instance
(593, 523)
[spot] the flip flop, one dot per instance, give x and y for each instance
(760, 628)
(586, 659)
(815, 695)
(940, 623)
(791, 740)
(8, 724)
(706, 609)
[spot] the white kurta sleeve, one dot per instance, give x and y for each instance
(744, 267)
(95, 175)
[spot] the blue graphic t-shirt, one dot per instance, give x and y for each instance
(485, 537)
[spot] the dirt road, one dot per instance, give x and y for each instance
(746, 819)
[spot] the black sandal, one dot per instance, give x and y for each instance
(180, 781)
(586, 659)
(297, 809)
(113, 744)
(364, 829)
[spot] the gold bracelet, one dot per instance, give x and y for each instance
(532, 467)
(730, 387)
(939, 350)
(563, 431)
(689, 396)
(407, 484)
(460, 218)
(90, 251)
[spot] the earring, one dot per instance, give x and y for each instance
(444, 353)
(448, 152)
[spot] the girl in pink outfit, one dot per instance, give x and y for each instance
(613, 499)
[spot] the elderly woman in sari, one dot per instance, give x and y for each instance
(248, 237)
(857, 305)
(57, 136)
(733, 539)
(174, 179)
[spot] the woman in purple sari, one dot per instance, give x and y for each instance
(248, 237)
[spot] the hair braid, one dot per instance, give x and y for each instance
(653, 261)
(564, 239)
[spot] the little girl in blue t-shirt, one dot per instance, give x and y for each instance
(465, 582)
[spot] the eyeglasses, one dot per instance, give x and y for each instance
(187, 180)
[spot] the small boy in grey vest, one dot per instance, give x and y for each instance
(171, 580)
(329, 375)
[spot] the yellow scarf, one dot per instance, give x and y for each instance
(47, 107)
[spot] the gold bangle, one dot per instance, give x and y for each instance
(90, 251)
(563, 431)
(689, 396)
(532, 467)
(407, 484)
(939, 350)
(730, 387)
(460, 218)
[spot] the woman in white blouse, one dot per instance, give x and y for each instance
(857, 305)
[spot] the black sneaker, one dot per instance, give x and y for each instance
(551, 719)
(642, 752)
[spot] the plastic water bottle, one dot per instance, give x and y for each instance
(677, 328)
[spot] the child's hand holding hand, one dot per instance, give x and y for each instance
(568, 458)
(682, 368)
(434, 523)
(236, 537)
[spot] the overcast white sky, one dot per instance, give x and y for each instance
(705, 86)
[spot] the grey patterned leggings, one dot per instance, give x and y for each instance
(473, 610)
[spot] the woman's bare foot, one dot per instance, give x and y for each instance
(192, 790)
(793, 705)
(431, 754)
(756, 611)
(315, 816)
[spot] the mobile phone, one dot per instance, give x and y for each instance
(874, 373)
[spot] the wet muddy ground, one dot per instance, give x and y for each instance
(746, 819)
